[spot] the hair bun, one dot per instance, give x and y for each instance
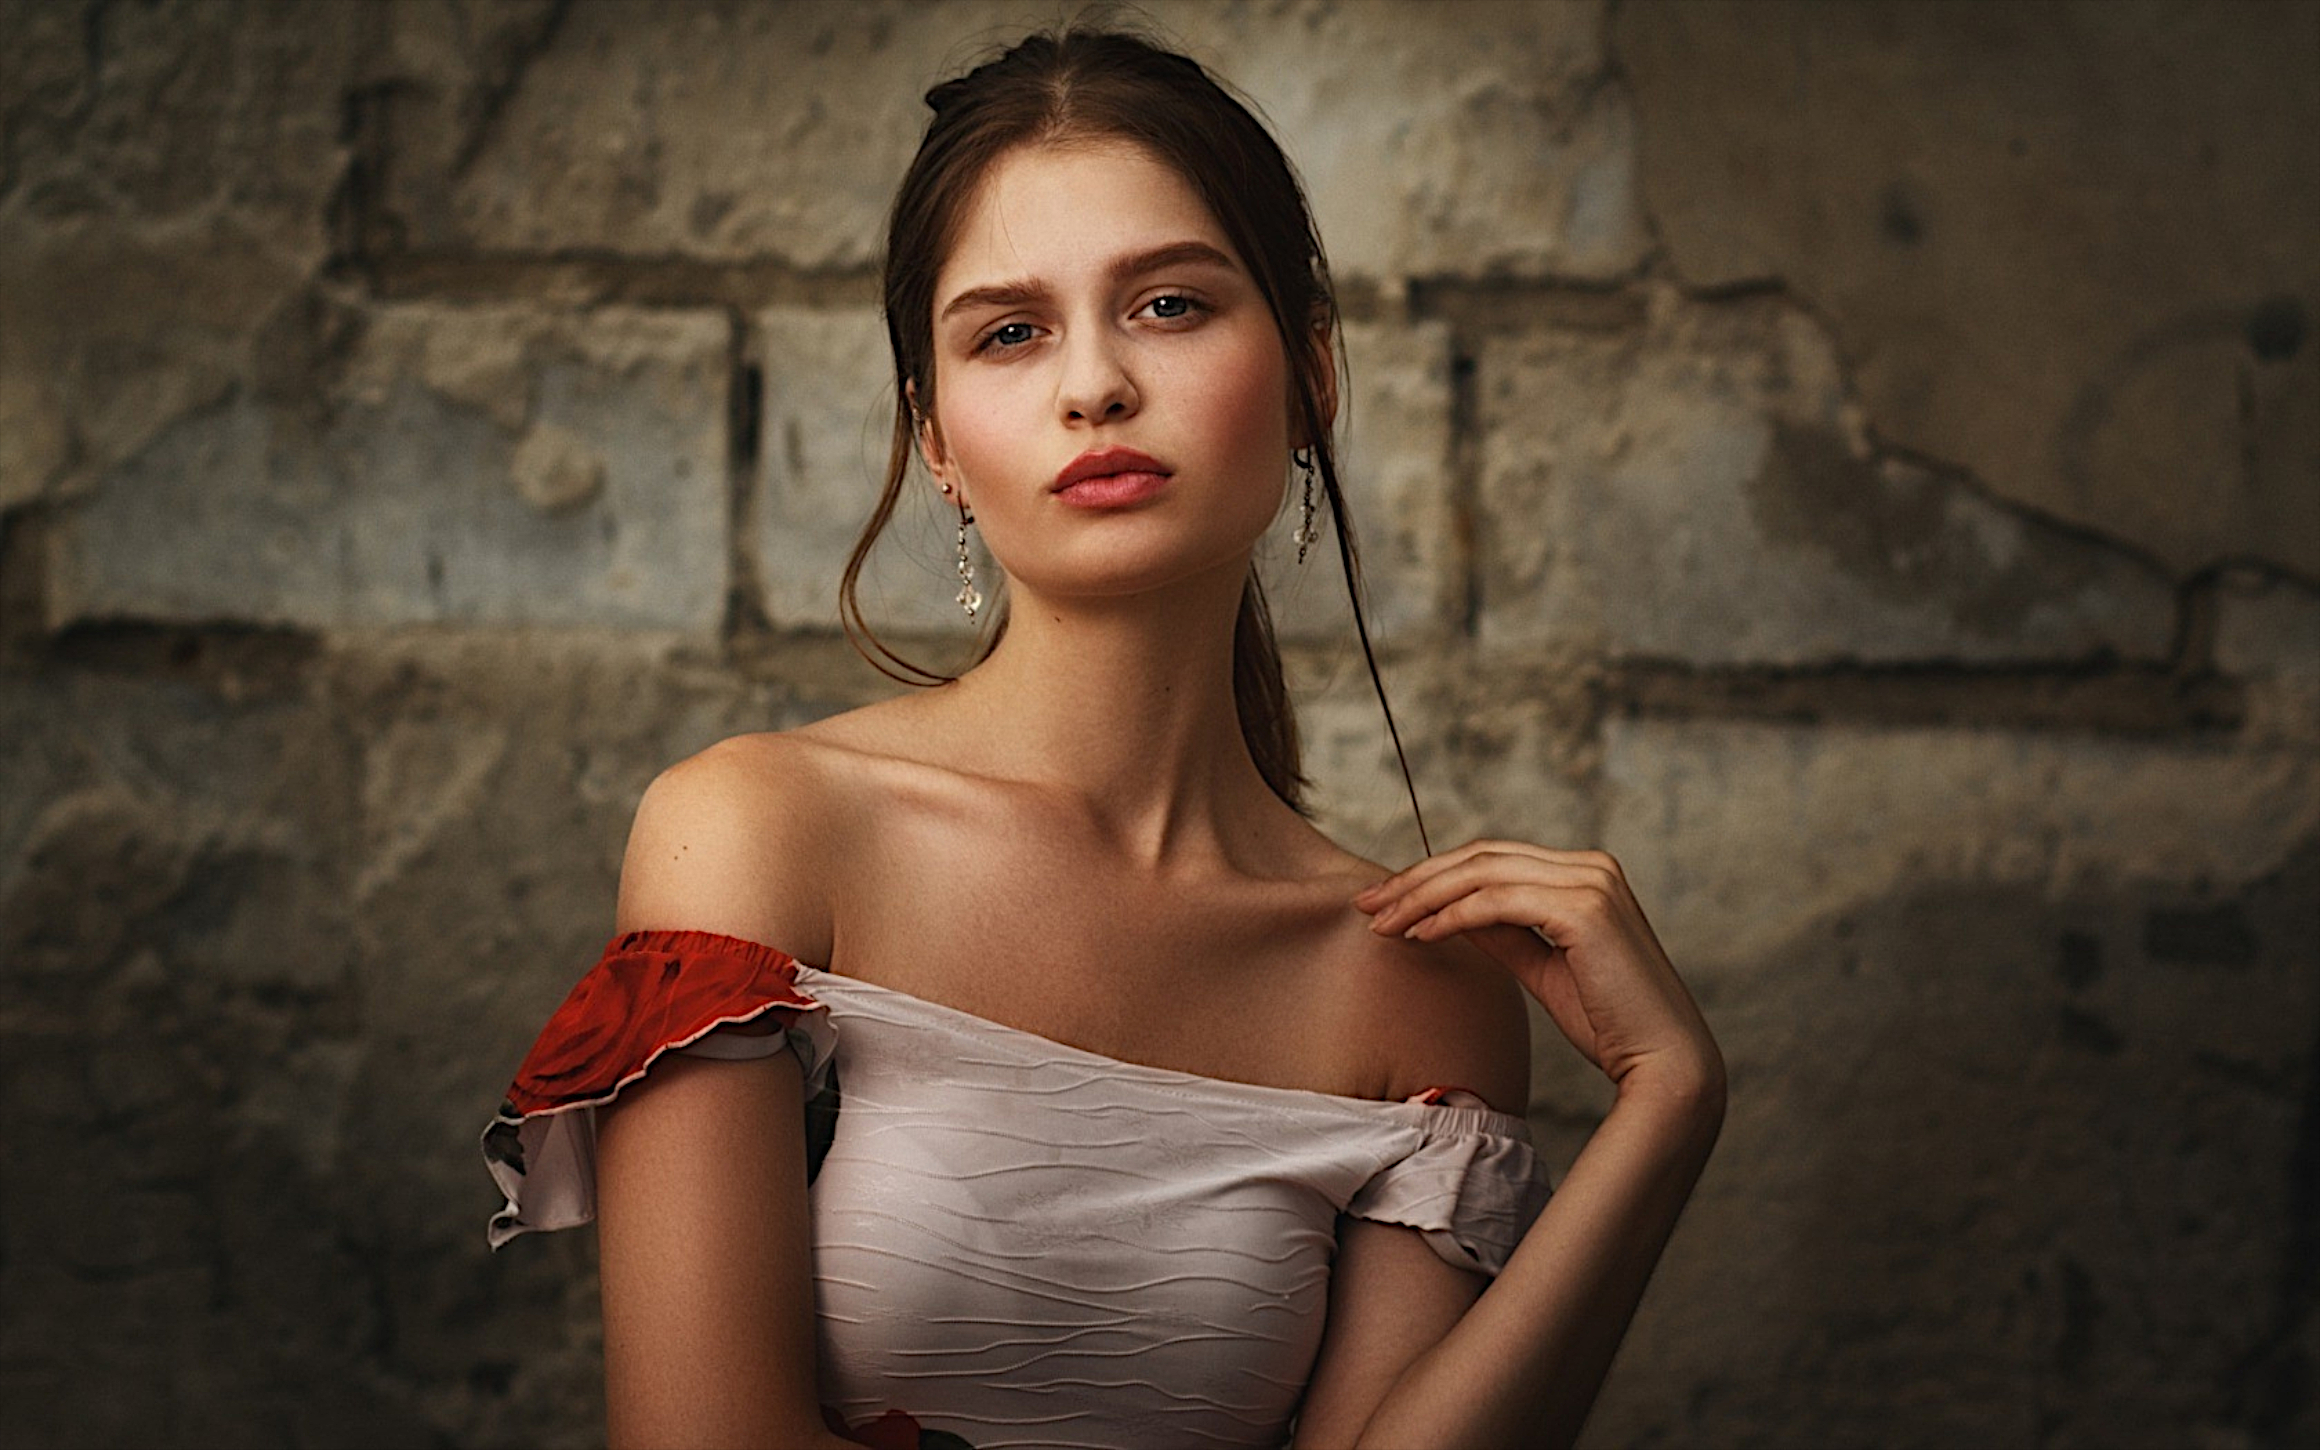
(1032, 51)
(938, 97)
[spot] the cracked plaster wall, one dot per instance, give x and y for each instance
(1855, 461)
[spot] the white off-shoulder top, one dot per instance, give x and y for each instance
(1018, 1242)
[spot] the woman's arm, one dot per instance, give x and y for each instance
(1523, 1365)
(705, 1246)
(703, 1225)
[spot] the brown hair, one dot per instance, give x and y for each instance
(1081, 84)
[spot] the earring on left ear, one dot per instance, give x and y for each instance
(1303, 458)
(970, 598)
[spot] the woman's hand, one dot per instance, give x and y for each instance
(1567, 926)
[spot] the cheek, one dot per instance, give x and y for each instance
(1246, 392)
(980, 423)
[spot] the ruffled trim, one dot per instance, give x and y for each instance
(1455, 1097)
(1472, 1191)
(651, 992)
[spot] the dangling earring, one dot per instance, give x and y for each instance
(1305, 536)
(970, 598)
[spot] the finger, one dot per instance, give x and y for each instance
(1433, 865)
(1420, 870)
(1567, 918)
(1509, 903)
(1439, 889)
(1422, 891)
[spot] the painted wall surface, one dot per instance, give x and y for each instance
(1860, 463)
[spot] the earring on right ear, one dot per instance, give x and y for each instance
(1305, 535)
(969, 598)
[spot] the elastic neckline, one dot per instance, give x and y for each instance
(680, 938)
(960, 1020)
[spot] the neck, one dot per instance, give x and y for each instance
(1125, 705)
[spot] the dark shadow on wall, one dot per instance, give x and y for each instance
(2022, 1171)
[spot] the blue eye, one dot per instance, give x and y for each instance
(1008, 335)
(1183, 306)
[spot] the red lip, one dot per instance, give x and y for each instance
(1097, 462)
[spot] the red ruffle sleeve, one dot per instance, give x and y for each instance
(651, 992)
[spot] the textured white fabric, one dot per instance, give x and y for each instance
(1027, 1244)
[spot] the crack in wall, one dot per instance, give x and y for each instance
(500, 83)
(1465, 465)
(745, 609)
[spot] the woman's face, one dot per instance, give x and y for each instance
(1091, 302)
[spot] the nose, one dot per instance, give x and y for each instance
(1095, 386)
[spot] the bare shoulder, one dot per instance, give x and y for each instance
(740, 838)
(1455, 1019)
(1443, 1013)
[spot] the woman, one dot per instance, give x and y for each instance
(1134, 1110)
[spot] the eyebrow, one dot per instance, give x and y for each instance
(1015, 294)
